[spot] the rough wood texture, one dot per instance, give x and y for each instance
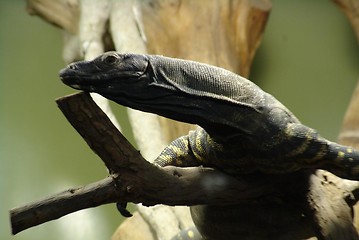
(63, 203)
(332, 214)
(220, 32)
(132, 178)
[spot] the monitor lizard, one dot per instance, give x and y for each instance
(241, 129)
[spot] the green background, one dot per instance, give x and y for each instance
(308, 60)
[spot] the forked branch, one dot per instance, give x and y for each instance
(132, 178)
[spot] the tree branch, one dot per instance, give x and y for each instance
(132, 178)
(60, 204)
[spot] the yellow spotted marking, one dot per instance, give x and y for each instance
(341, 155)
(350, 159)
(349, 150)
(182, 143)
(178, 151)
(198, 141)
(190, 234)
(166, 157)
(198, 145)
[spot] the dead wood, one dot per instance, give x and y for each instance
(132, 178)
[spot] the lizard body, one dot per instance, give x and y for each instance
(242, 129)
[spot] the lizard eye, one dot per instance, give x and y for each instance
(110, 59)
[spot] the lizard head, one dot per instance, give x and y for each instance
(106, 73)
(127, 79)
(182, 90)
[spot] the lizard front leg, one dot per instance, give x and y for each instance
(178, 153)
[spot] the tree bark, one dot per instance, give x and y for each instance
(132, 178)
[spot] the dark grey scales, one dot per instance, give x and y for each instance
(242, 129)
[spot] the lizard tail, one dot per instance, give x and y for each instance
(341, 160)
(345, 161)
(311, 150)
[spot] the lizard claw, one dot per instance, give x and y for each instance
(121, 207)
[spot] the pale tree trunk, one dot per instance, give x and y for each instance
(219, 32)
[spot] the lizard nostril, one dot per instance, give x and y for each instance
(73, 66)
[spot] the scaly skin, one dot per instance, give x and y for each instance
(242, 129)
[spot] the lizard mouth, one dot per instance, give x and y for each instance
(77, 79)
(70, 75)
(74, 81)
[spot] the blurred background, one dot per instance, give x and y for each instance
(308, 60)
